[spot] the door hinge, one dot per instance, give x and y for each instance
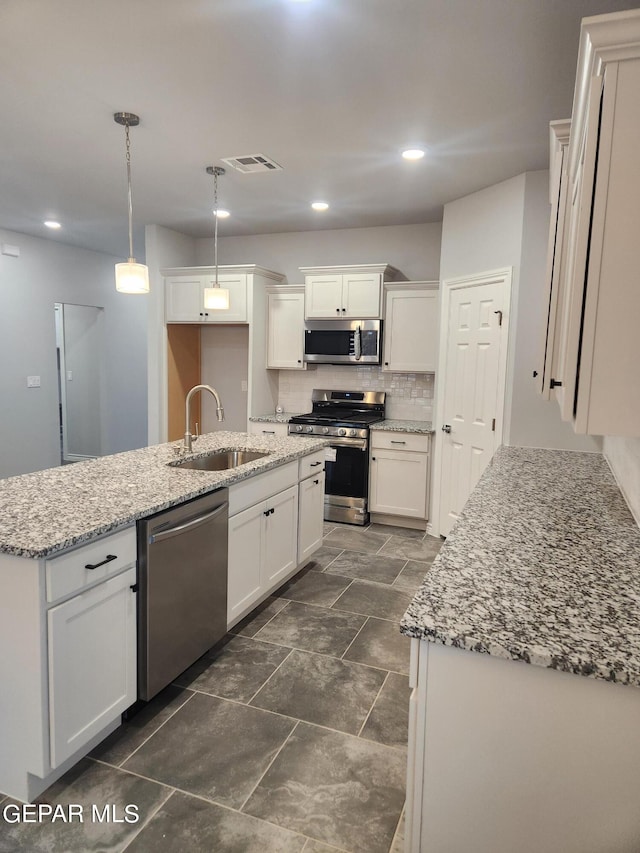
(499, 313)
(493, 425)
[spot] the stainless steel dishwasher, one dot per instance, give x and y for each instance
(182, 600)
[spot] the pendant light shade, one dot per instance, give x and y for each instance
(216, 298)
(131, 277)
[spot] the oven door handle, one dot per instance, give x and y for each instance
(356, 443)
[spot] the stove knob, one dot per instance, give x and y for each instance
(325, 430)
(342, 432)
(298, 428)
(309, 429)
(353, 432)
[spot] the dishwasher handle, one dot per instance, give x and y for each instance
(195, 522)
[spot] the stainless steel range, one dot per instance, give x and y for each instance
(343, 417)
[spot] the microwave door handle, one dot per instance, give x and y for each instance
(357, 344)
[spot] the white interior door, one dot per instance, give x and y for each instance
(475, 320)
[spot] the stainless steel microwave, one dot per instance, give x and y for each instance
(343, 341)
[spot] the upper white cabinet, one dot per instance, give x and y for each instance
(285, 327)
(184, 297)
(411, 327)
(558, 181)
(596, 377)
(353, 292)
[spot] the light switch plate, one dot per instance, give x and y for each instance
(33, 381)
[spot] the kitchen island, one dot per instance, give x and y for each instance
(525, 665)
(68, 580)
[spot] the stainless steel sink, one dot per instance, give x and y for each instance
(219, 460)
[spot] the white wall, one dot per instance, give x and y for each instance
(413, 249)
(623, 455)
(47, 272)
(507, 225)
(225, 366)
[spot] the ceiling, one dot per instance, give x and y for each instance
(332, 90)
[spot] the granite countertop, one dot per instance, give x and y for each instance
(543, 566)
(274, 418)
(47, 511)
(395, 425)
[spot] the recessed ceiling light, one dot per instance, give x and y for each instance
(413, 154)
(319, 205)
(50, 223)
(221, 213)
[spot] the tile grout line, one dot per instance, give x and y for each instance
(386, 678)
(253, 790)
(395, 834)
(147, 821)
(286, 658)
(288, 602)
(186, 701)
(342, 656)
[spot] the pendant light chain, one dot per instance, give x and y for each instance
(128, 155)
(215, 216)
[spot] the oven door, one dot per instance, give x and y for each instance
(347, 482)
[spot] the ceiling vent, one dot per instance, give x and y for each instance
(252, 163)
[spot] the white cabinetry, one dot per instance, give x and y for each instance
(558, 180)
(411, 327)
(72, 665)
(266, 428)
(311, 506)
(399, 476)
(285, 327)
(352, 292)
(184, 295)
(596, 383)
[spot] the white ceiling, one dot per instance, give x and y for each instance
(332, 90)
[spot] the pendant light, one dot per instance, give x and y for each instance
(131, 277)
(216, 298)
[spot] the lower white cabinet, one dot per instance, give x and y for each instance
(267, 428)
(262, 550)
(311, 517)
(70, 668)
(92, 663)
(399, 474)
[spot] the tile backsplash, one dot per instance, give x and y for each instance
(409, 395)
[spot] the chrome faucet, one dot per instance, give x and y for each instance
(188, 437)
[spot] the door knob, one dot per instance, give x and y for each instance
(446, 428)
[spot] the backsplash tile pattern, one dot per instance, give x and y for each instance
(409, 395)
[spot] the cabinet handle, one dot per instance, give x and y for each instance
(555, 383)
(535, 373)
(299, 361)
(386, 364)
(398, 442)
(316, 482)
(373, 458)
(269, 431)
(134, 587)
(343, 310)
(337, 310)
(108, 559)
(269, 512)
(315, 464)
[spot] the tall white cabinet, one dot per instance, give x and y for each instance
(595, 374)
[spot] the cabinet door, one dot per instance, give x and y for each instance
(411, 331)
(323, 296)
(237, 310)
(92, 663)
(285, 336)
(311, 517)
(361, 295)
(246, 548)
(183, 299)
(399, 483)
(281, 537)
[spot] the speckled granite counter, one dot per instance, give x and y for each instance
(543, 566)
(394, 425)
(47, 511)
(274, 418)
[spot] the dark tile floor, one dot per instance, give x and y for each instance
(288, 736)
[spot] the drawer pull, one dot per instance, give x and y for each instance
(107, 559)
(269, 431)
(398, 442)
(315, 464)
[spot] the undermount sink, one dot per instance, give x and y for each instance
(219, 460)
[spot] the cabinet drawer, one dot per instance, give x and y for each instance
(68, 573)
(312, 464)
(263, 486)
(267, 428)
(400, 441)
